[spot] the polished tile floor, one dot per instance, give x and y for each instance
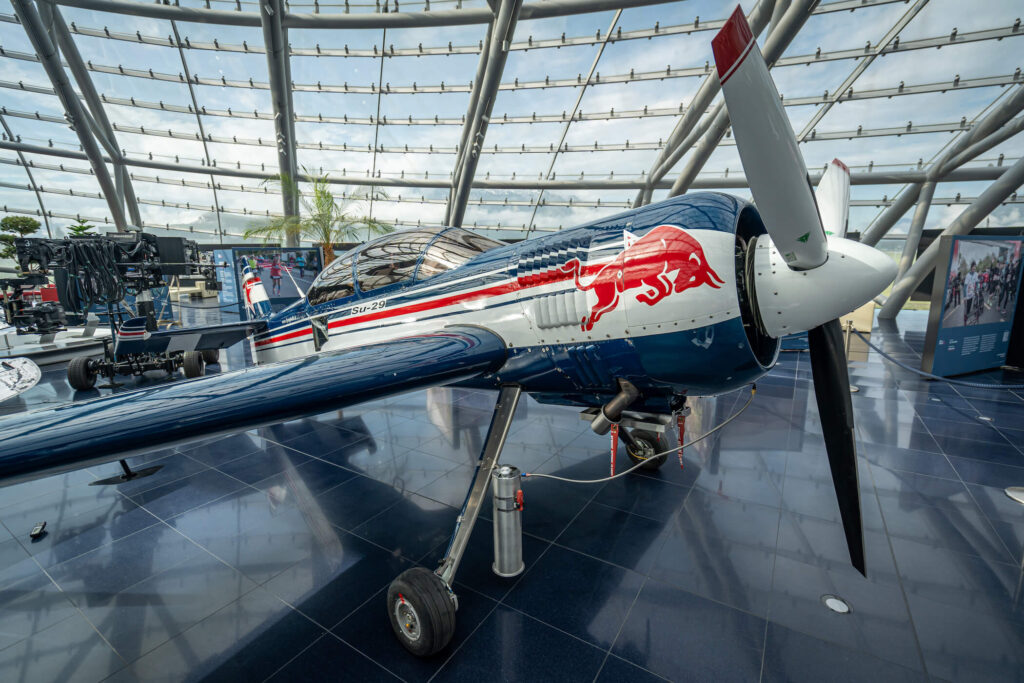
(266, 555)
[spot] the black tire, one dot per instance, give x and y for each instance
(423, 602)
(193, 364)
(211, 356)
(81, 376)
(648, 444)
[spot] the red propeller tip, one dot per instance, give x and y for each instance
(841, 165)
(732, 44)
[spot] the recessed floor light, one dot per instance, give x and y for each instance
(836, 604)
(985, 418)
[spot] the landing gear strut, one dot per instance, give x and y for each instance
(421, 604)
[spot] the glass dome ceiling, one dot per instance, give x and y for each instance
(189, 120)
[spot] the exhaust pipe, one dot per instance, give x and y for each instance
(611, 412)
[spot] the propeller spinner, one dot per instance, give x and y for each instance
(803, 278)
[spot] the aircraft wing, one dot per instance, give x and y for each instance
(132, 336)
(73, 436)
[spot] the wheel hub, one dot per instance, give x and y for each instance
(407, 619)
(643, 450)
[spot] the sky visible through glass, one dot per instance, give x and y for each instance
(589, 96)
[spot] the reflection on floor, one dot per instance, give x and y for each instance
(266, 554)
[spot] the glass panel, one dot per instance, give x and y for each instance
(391, 259)
(451, 249)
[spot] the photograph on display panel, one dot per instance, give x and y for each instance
(974, 300)
(286, 272)
(981, 286)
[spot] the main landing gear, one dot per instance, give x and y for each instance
(421, 604)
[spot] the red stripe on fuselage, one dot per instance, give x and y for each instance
(524, 282)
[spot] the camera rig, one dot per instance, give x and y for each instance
(104, 269)
(93, 269)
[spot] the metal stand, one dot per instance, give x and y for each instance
(848, 330)
(128, 474)
(501, 421)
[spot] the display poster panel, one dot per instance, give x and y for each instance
(228, 293)
(286, 272)
(973, 303)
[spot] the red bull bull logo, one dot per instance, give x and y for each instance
(647, 263)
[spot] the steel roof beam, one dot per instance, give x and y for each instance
(99, 122)
(199, 119)
(77, 117)
(862, 66)
(864, 55)
(31, 180)
(541, 43)
(680, 139)
(647, 112)
(981, 137)
(737, 181)
(264, 189)
(275, 38)
(986, 202)
(501, 36)
(458, 17)
(859, 133)
(774, 45)
(575, 108)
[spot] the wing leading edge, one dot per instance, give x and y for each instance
(48, 442)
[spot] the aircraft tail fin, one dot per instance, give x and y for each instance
(257, 302)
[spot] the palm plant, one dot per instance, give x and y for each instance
(324, 220)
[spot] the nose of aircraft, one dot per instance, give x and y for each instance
(793, 301)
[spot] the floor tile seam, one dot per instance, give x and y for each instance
(156, 521)
(71, 559)
(293, 658)
(622, 625)
(556, 628)
(465, 640)
(200, 506)
(519, 579)
(363, 654)
(638, 514)
(771, 582)
(142, 505)
(81, 613)
(904, 470)
(21, 640)
(300, 452)
(203, 549)
(977, 507)
(601, 559)
(899, 576)
(188, 628)
(81, 512)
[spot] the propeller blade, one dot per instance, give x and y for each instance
(774, 166)
(832, 391)
(833, 197)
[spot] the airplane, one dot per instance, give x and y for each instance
(688, 296)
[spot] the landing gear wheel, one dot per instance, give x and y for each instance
(193, 364)
(81, 376)
(211, 356)
(421, 611)
(647, 444)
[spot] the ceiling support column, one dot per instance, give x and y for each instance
(501, 39)
(76, 113)
(986, 202)
(775, 44)
(275, 37)
(98, 121)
